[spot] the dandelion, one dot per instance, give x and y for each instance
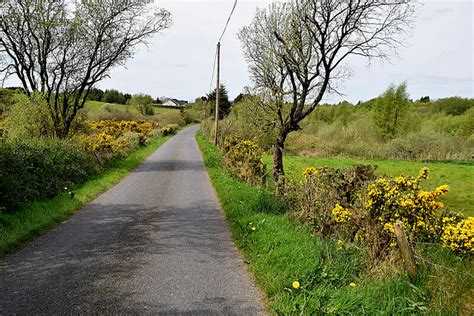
(254, 228)
(296, 285)
(352, 284)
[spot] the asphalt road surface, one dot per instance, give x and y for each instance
(156, 243)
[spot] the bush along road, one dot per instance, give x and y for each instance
(156, 242)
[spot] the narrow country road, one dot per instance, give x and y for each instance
(156, 243)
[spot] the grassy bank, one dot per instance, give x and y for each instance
(97, 107)
(459, 176)
(280, 251)
(17, 228)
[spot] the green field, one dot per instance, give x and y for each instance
(459, 176)
(97, 107)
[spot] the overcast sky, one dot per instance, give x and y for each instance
(437, 60)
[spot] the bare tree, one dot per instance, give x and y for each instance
(61, 49)
(296, 52)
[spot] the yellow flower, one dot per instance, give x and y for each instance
(341, 215)
(423, 174)
(296, 285)
(254, 228)
(310, 171)
(352, 284)
(340, 244)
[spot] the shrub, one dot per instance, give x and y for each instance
(169, 117)
(28, 117)
(169, 129)
(143, 103)
(112, 138)
(38, 168)
(312, 200)
(459, 236)
(243, 159)
(192, 115)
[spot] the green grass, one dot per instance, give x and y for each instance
(96, 107)
(459, 176)
(36, 218)
(280, 251)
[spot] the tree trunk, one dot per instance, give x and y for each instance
(278, 171)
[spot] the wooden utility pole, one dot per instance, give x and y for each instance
(216, 128)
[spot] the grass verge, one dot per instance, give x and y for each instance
(280, 251)
(35, 218)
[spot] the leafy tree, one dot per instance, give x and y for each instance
(61, 49)
(95, 94)
(425, 99)
(127, 97)
(224, 103)
(453, 105)
(296, 52)
(239, 98)
(390, 110)
(113, 96)
(143, 102)
(158, 101)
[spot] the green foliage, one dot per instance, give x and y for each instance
(453, 105)
(170, 129)
(313, 199)
(35, 218)
(95, 94)
(7, 97)
(171, 116)
(28, 117)
(390, 110)
(38, 168)
(280, 251)
(114, 96)
(243, 158)
(143, 103)
(224, 103)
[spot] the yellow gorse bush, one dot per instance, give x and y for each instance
(118, 128)
(401, 198)
(341, 214)
(459, 236)
(107, 138)
(243, 158)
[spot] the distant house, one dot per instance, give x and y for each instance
(173, 102)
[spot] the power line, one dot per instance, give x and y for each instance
(213, 71)
(220, 39)
(228, 20)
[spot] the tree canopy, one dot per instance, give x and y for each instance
(62, 49)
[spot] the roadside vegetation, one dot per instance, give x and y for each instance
(369, 215)
(305, 272)
(349, 202)
(44, 179)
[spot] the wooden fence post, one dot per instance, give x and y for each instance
(405, 249)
